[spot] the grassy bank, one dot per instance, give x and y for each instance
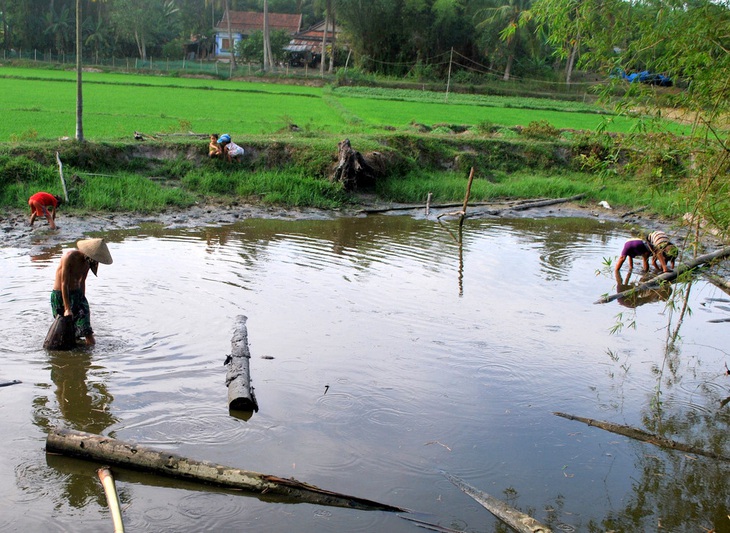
(151, 176)
(520, 147)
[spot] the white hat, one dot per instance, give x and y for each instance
(96, 249)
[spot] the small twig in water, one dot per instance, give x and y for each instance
(437, 442)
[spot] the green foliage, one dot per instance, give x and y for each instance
(541, 130)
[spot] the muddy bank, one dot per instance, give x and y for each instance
(15, 231)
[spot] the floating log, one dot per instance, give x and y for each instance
(238, 378)
(112, 451)
(112, 498)
(517, 520)
(61, 335)
(8, 383)
(668, 276)
(644, 436)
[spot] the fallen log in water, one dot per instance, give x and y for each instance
(544, 203)
(113, 451)
(238, 377)
(644, 436)
(515, 519)
(654, 282)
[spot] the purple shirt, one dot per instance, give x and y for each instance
(635, 248)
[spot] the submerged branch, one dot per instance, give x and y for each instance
(515, 519)
(644, 436)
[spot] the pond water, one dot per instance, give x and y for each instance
(386, 350)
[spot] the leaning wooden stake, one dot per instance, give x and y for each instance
(515, 519)
(238, 377)
(466, 197)
(111, 451)
(644, 436)
(63, 181)
(668, 276)
(107, 481)
(462, 213)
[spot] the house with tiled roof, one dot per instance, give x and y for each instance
(305, 47)
(244, 23)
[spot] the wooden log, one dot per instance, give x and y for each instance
(668, 276)
(8, 383)
(112, 451)
(544, 203)
(112, 498)
(61, 335)
(238, 378)
(517, 520)
(644, 436)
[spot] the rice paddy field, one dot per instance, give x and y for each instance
(41, 104)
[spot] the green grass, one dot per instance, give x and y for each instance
(41, 104)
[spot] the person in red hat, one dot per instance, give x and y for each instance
(44, 204)
(69, 289)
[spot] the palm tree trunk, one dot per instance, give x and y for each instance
(268, 59)
(79, 61)
(324, 37)
(230, 39)
(571, 60)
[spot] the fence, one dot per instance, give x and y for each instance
(215, 67)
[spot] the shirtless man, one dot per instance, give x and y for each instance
(69, 289)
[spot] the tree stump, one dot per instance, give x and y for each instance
(355, 170)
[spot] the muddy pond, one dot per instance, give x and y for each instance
(385, 352)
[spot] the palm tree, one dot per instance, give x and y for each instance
(508, 20)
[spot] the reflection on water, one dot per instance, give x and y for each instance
(642, 297)
(384, 350)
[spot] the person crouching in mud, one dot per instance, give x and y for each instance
(69, 289)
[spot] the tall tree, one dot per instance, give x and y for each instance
(511, 21)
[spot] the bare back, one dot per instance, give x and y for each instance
(71, 273)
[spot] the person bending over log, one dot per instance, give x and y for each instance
(634, 248)
(69, 289)
(44, 204)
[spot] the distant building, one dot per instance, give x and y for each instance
(244, 23)
(305, 48)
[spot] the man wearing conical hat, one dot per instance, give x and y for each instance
(69, 289)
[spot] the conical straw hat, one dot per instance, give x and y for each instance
(95, 249)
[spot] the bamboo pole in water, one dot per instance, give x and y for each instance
(107, 481)
(112, 451)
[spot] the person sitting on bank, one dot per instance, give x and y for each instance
(44, 204)
(214, 149)
(634, 248)
(230, 149)
(662, 250)
(69, 288)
